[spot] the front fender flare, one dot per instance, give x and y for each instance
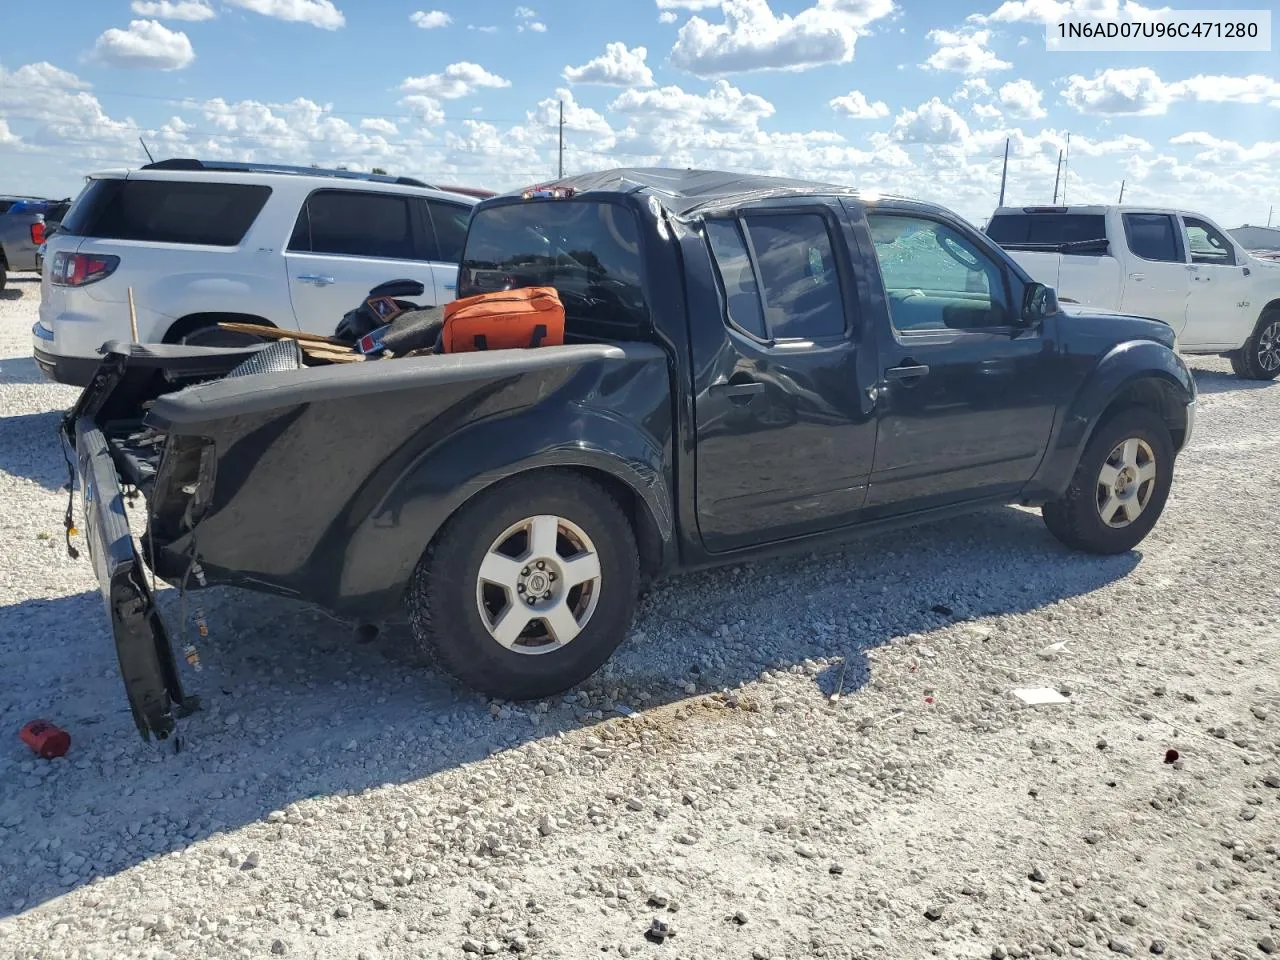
(384, 549)
(1121, 371)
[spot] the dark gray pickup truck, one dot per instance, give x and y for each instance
(752, 365)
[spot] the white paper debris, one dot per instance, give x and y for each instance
(1040, 696)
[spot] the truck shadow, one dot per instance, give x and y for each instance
(296, 707)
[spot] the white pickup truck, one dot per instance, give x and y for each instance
(1171, 265)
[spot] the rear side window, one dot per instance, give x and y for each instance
(5, 205)
(782, 283)
(355, 223)
(450, 222)
(166, 211)
(1153, 236)
(1047, 227)
(737, 277)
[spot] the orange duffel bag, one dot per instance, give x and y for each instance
(527, 317)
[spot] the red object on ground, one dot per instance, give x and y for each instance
(46, 739)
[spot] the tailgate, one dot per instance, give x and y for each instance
(147, 664)
(128, 379)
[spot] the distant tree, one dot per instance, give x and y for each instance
(380, 171)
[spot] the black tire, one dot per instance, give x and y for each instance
(1076, 518)
(1259, 358)
(4, 274)
(444, 614)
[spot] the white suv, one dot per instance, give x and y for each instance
(201, 242)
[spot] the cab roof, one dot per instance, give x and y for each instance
(689, 190)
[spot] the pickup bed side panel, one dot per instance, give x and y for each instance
(608, 419)
(1119, 368)
(330, 484)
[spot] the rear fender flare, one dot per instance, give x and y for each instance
(1121, 369)
(386, 545)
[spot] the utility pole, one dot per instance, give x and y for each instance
(562, 139)
(1004, 172)
(1057, 173)
(1121, 200)
(1269, 213)
(1066, 160)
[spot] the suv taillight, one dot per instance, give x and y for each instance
(37, 233)
(79, 269)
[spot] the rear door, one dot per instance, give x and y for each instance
(785, 419)
(1158, 282)
(347, 241)
(448, 222)
(1218, 309)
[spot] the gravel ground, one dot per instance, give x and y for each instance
(336, 799)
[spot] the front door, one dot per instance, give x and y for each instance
(967, 393)
(346, 242)
(1218, 309)
(1158, 281)
(785, 418)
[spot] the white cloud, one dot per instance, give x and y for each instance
(7, 137)
(1217, 150)
(146, 45)
(932, 122)
(752, 37)
(688, 4)
(616, 67)
(192, 10)
(430, 19)
(577, 118)
(472, 26)
(855, 105)
(985, 111)
(972, 88)
(1022, 100)
(724, 106)
(964, 52)
(426, 110)
(668, 16)
(456, 81)
(1140, 91)
(379, 125)
(318, 13)
(528, 21)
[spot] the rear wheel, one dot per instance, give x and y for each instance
(1120, 485)
(4, 274)
(1259, 358)
(529, 588)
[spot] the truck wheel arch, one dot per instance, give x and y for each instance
(1156, 394)
(187, 325)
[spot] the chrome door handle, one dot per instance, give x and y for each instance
(315, 278)
(1137, 276)
(1200, 279)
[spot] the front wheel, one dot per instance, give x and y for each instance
(529, 588)
(1259, 358)
(215, 336)
(1119, 488)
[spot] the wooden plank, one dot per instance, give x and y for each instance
(275, 333)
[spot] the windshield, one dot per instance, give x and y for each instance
(588, 250)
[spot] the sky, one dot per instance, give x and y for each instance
(915, 97)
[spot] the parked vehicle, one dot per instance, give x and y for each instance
(201, 242)
(1172, 265)
(24, 224)
(751, 365)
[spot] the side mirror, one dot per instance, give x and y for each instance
(1038, 302)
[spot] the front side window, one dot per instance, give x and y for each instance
(935, 277)
(1153, 236)
(355, 223)
(1207, 244)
